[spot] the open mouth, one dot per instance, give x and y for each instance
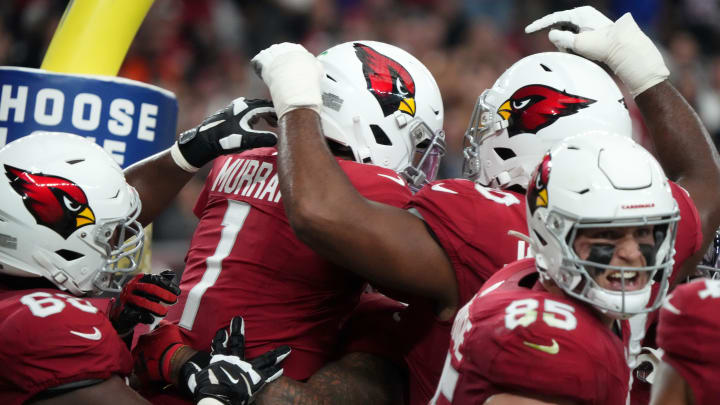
(613, 280)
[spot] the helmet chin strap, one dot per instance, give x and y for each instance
(504, 178)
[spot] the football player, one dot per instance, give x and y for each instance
(688, 369)
(547, 327)
(403, 251)
(68, 230)
(383, 114)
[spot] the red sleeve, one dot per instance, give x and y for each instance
(689, 233)
(471, 224)
(689, 332)
(377, 183)
(49, 339)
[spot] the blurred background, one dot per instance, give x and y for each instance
(200, 49)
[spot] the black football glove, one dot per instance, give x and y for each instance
(229, 379)
(227, 131)
(142, 300)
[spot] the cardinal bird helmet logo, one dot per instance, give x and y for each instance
(533, 107)
(537, 193)
(53, 201)
(387, 80)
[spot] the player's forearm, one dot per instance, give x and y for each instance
(684, 150)
(385, 245)
(683, 145)
(158, 180)
(320, 202)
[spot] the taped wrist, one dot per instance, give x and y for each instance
(294, 82)
(635, 59)
(180, 160)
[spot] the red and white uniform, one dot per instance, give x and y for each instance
(689, 241)
(471, 223)
(244, 259)
(49, 339)
(514, 336)
(689, 332)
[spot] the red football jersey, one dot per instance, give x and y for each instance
(688, 241)
(514, 336)
(471, 223)
(689, 332)
(244, 259)
(689, 233)
(49, 339)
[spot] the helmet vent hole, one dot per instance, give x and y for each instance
(545, 68)
(573, 148)
(540, 239)
(505, 153)
(380, 136)
(331, 78)
(74, 161)
(583, 191)
(68, 255)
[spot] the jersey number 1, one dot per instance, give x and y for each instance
(232, 223)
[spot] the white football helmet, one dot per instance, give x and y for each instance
(67, 214)
(597, 180)
(384, 105)
(535, 103)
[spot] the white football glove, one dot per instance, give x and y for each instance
(293, 76)
(648, 362)
(620, 45)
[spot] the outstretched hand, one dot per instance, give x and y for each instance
(229, 379)
(229, 130)
(621, 45)
(144, 299)
(292, 75)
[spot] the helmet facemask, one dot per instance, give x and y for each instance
(122, 241)
(428, 150)
(578, 277)
(588, 196)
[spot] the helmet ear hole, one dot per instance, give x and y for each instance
(540, 238)
(380, 135)
(68, 255)
(505, 153)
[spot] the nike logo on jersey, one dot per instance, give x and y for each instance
(397, 180)
(97, 335)
(439, 187)
(554, 348)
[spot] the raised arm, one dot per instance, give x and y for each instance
(159, 178)
(688, 156)
(386, 245)
(683, 146)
